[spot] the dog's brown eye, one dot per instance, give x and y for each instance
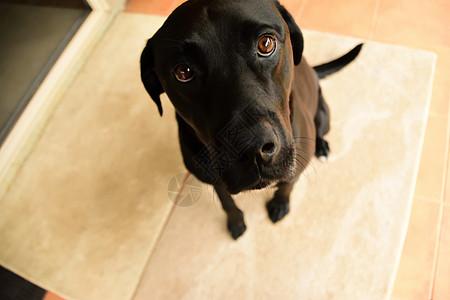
(183, 73)
(266, 45)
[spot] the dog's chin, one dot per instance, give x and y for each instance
(263, 183)
(259, 184)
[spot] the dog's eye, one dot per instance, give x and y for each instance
(183, 73)
(267, 45)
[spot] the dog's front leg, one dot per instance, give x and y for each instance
(278, 207)
(236, 224)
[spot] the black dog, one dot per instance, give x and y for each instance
(249, 108)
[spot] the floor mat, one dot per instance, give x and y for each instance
(87, 209)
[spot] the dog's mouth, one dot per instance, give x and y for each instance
(243, 176)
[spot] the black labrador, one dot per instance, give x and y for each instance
(249, 108)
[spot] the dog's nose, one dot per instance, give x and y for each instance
(268, 152)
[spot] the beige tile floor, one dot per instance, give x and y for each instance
(424, 270)
(425, 265)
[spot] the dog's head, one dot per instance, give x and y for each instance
(227, 67)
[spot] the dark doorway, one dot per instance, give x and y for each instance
(33, 33)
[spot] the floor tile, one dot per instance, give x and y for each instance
(293, 6)
(413, 279)
(433, 159)
(442, 281)
(447, 183)
(441, 85)
(167, 6)
(353, 17)
(441, 89)
(415, 23)
(163, 8)
(51, 296)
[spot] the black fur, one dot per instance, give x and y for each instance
(248, 115)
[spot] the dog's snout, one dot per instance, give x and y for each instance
(268, 151)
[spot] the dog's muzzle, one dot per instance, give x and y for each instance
(252, 157)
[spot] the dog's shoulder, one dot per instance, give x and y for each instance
(305, 89)
(195, 155)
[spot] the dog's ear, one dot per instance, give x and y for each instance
(295, 33)
(149, 77)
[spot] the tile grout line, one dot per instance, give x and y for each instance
(183, 183)
(301, 10)
(374, 20)
(163, 227)
(431, 200)
(436, 252)
(438, 115)
(441, 216)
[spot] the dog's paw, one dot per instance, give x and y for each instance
(322, 148)
(236, 228)
(277, 210)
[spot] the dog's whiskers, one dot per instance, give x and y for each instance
(305, 140)
(302, 163)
